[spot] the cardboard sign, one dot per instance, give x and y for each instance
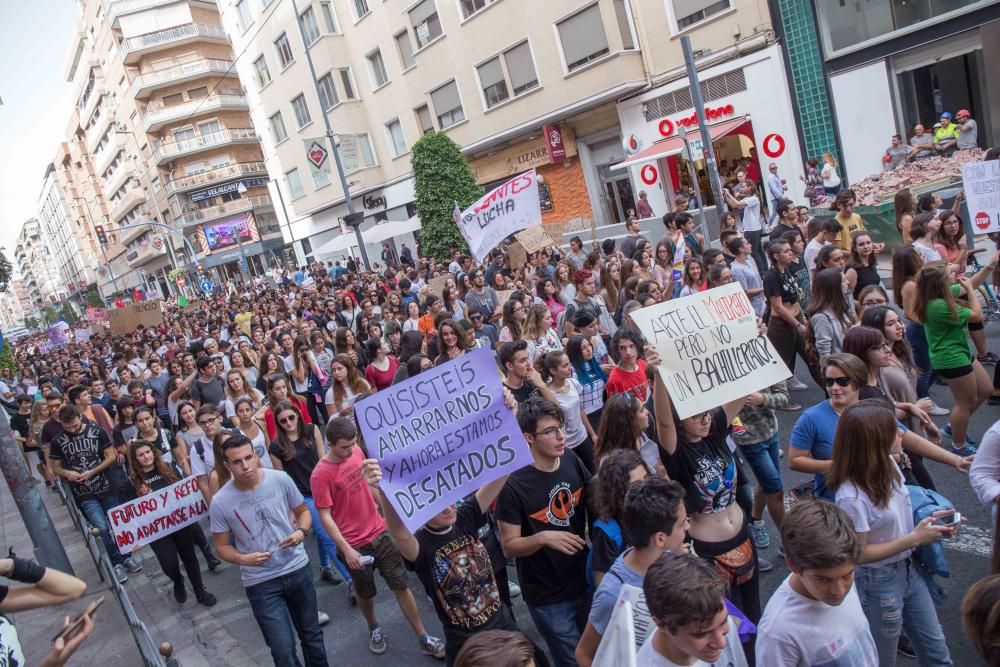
(506, 209)
(518, 256)
(710, 350)
(82, 335)
(96, 314)
(535, 238)
(981, 183)
(441, 435)
(125, 320)
(437, 285)
(150, 517)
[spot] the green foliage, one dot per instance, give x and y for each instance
(174, 274)
(94, 299)
(6, 272)
(68, 313)
(31, 323)
(7, 357)
(441, 177)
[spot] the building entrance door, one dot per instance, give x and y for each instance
(617, 193)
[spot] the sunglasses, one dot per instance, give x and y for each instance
(290, 419)
(840, 382)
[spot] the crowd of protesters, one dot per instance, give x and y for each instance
(252, 391)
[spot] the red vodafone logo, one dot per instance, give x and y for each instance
(982, 220)
(648, 174)
(666, 127)
(774, 145)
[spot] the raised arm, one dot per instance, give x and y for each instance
(407, 544)
(53, 588)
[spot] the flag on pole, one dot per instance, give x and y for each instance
(317, 156)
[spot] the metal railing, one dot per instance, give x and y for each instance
(116, 8)
(157, 115)
(214, 175)
(153, 654)
(161, 37)
(158, 77)
(213, 212)
(170, 149)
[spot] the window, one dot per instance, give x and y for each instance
(310, 28)
(689, 12)
(365, 146)
(492, 81)
(470, 7)
(424, 119)
(348, 82)
(243, 10)
(173, 100)
(356, 152)
(301, 109)
(405, 50)
(198, 93)
(294, 183)
(396, 138)
(327, 92)
(624, 24)
(425, 22)
(284, 50)
(360, 8)
(326, 9)
(260, 69)
(209, 127)
(376, 67)
(582, 37)
(520, 68)
(278, 128)
(447, 105)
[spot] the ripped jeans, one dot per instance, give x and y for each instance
(895, 597)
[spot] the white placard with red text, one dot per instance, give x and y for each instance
(156, 514)
(981, 183)
(710, 349)
(507, 209)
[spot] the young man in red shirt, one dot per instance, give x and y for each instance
(349, 514)
(630, 373)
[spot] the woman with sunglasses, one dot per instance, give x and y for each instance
(296, 449)
(695, 453)
(869, 487)
(278, 390)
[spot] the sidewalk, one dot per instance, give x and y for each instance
(110, 644)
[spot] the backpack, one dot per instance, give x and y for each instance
(930, 558)
(610, 528)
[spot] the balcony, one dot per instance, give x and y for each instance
(86, 105)
(103, 157)
(133, 197)
(117, 178)
(215, 176)
(171, 150)
(118, 8)
(199, 216)
(96, 131)
(144, 84)
(157, 116)
(134, 231)
(134, 48)
(144, 254)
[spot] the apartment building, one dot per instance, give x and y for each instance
(164, 120)
(35, 263)
(20, 292)
(76, 273)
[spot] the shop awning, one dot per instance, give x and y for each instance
(337, 244)
(387, 230)
(674, 145)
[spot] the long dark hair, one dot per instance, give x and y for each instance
(618, 429)
(586, 371)
(827, 295)
(282, 442)
(866, 433)
(613, 482)
(875, 318)
(906, 264)
(159, 465)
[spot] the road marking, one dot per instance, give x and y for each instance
(971, 540)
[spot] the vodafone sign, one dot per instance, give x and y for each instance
(667, 127)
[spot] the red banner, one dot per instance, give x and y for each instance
(554, 144)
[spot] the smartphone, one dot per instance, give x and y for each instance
(950, 520)
(74, 626)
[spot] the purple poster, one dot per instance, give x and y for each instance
(441, 435)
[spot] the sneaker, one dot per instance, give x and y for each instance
(204, 597)
(969, 440)
(764, 565)
(515, 590)
(988, 359)
(791, 407)
(132, 566)
(795, 384)
(330, 574)
(324, 618)
(937, 411)
(376, 641)
(759, 534)
(968, 450)
(352, 597)
(432, 646)
(211, 561)
(180, 593)
(120, 574)
(904, 648)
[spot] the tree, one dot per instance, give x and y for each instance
(441, 177)
(7, 357)
(94, 299)
(68, 313)
(31, 323)
(6, 272)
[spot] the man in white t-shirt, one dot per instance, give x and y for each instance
(753, 225)
(829, 231)
(815, 615)
(686, 600)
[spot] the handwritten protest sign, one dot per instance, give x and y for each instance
(96, 314)
(438, 284)
(534, 238)
(125, 320)
(150, 517)
(981, 183)
(506, 209)
(82, 335)
(710, 349)
(518, 256)
(441, 435)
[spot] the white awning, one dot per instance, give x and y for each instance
(337, 244)
(387, 230)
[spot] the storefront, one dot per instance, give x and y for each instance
(749, 113)
(224, 245)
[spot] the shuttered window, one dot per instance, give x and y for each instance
(447, 105)
(521, 68)
(583, 38)
(492, 81)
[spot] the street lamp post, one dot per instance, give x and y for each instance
(104, 253)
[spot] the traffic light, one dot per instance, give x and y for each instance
(102, 238)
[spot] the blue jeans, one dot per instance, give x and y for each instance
(921, 357)
(764, 461)
(895, 597)
(95, 509)
(325, 545)
(560, 625)
(285, 603)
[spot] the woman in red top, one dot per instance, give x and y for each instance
(630, 373)
(382, 367)
(277, 391)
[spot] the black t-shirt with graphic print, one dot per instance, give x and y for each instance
(539, 501)
(81, 452)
